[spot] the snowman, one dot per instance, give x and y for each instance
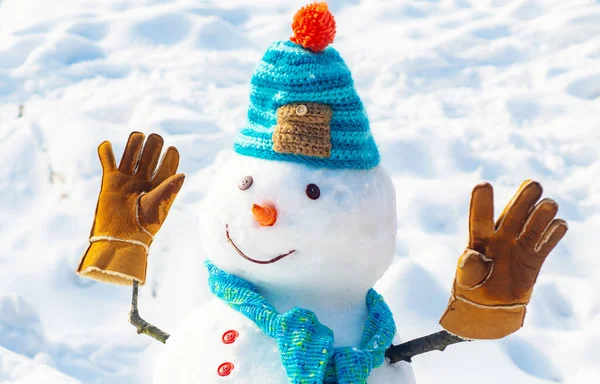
(301, 223)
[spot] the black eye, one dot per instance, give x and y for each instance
(245, 183)
(312, 191)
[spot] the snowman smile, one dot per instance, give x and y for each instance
(239, 251)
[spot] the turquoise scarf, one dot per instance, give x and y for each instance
(306, 345)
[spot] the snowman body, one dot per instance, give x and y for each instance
(216, 344)
(336, 247)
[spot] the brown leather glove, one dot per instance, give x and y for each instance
(133, 204)
(496, 273)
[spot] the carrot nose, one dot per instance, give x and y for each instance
(265, 216)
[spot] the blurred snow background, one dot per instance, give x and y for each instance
(458, 91)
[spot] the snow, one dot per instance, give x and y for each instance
(458, 91)
(17, 368)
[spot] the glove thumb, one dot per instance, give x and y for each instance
(473, 269)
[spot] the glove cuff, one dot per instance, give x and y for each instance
(115, 261)
(471, 320)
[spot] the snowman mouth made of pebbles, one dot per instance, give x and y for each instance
(299, 225)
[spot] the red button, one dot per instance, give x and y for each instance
(225, 369)
(230, 336)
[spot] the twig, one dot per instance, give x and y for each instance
(142, 325)
(434, 342)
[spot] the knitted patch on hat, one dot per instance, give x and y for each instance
(303, 129)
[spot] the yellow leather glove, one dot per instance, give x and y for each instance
(132, 206)
(496, 273)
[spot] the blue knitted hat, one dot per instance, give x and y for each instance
(303, 105)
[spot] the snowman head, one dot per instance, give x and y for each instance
(304, 203)
(289, 226)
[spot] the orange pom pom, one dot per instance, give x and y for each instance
(314, 27)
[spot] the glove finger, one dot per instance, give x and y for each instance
(107, 157)
(150, 156)
(168, 166)
(481, 216)
(131, 155)
(531, 263)
(518, 208)
(155, 205)
(555, 232)
(536, 223)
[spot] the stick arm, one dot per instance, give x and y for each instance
(435, 342)
(142, 325)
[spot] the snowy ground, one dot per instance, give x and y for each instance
(458, 91)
